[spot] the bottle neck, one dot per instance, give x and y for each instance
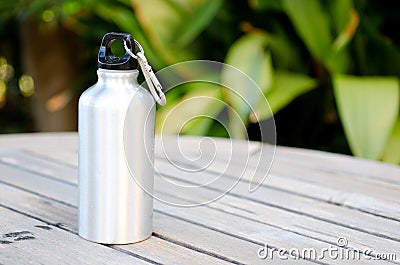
(121, 77)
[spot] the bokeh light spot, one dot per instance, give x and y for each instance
(3, 61)
(3, 92)
(26, 85)
(6, 70)
(48, 15)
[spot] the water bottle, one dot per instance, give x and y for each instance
(116, 150)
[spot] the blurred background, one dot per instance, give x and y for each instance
(329, 69)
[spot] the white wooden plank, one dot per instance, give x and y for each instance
(301, 158)
(366, 194)
(359, 221)
(29, 162)
(208, 145)
(243, 189)
(185, 233)
(296, 223)
(24, 240)
(350, 198)
(51, 188)
(312, 159)
(339, 163)
(61, 146)
(251, 230)
(292, 202)
(65, 144)
(209, 240)
(318, 172)
(337, 177)
(165, 252)
(244, 227)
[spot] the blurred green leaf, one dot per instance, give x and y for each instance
(392, 151)
(286, 87)
(249, 55)
(340, 13)
(337, 62)
(168, 17)
(172, 25)
(345, 20)
(285, 55)
(368, 108)
(275, 5)
(312, 24)
(203, 100)
(72, 7)
(314, 27)
(125, 19)
(196, 22)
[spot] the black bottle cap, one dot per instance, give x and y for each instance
(107, 60)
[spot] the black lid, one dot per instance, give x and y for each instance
(107, 60)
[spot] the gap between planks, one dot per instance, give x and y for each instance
(154, 250)
(331, 195)
(289, 181)
(28, 240)
(63, 216)
(222, 144)
(383, 235)
(70, 176)
(50, 180)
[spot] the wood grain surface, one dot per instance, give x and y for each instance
(205, 211)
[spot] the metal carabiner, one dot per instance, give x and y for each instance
(151, 79)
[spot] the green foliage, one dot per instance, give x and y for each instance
(342, 55)
(286, 87)
(196, 23)
(312, 24)
(392, 153)
(331, 32)
(368, 107)
(178, 117)
(249, 55)
(171, 27)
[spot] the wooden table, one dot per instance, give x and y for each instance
(310, 203)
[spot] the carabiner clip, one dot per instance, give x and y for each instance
(151, 79)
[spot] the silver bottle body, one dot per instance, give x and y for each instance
(115, 167)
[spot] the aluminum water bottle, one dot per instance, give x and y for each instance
(116, 150)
